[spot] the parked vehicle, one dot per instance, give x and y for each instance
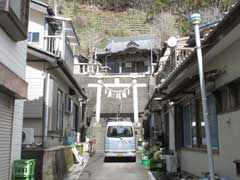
(120, 140)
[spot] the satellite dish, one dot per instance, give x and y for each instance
(172, 41)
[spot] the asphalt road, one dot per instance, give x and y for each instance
(116, 169)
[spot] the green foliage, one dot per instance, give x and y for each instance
(97, 20)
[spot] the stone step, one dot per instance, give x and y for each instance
(99, 133)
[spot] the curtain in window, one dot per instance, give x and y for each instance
(59, 111)
(53, 104)
(212, 116)
(187, 125)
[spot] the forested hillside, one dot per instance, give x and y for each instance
(97, 20)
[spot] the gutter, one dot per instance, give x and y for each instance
(71, 78)
(51, 58)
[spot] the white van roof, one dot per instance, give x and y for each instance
(120, 123)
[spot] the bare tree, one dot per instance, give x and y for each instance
(90, 42)
(209, 14)
(164, 26)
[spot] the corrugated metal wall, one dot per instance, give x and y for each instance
(6, 120)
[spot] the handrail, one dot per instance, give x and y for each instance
(52, 36)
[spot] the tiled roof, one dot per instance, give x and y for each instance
(120, 44)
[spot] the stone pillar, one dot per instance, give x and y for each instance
(135, 102)
(97, 69)
(98, 102)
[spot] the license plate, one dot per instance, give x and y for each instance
(119, 154)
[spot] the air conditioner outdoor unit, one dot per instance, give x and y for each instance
(171, 163)
(28, 136)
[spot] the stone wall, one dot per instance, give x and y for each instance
(52, 164)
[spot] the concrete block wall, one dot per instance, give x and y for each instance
(52, 164)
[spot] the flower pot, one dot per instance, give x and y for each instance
(146, 162)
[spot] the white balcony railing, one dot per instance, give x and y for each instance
(53, 45)
(88, 68)
(56, 46)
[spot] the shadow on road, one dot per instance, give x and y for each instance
(119, 160)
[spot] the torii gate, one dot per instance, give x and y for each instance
(116, 84)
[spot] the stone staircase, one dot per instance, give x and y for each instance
(99, 133)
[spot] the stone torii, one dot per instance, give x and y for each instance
(117, 84)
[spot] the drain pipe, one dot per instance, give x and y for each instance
(45, 109)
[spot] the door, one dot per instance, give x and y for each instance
(6, 119)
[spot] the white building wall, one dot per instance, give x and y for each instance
(36, 24)
(35, 80)
(196, 161)
(35, 73)
(17, 130)
(13, 54)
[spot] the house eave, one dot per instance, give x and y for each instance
(12, 84)
(66, 71)
(55, 61)
(229, 22)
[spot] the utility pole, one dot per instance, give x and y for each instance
(196, 19)
(56, 7)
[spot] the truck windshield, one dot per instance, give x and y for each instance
(119, 131)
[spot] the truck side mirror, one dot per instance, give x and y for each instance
(135, 132)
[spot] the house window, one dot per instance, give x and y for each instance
(228, 97)
(237, 163)
(128, 65)
(194, 125)
(76, 119)
(200, 136)
(114, 67)
(33, 37)
(187, 132)
(59, 111)
(68, 104)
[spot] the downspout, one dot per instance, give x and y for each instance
(45, 109)
(56, 7)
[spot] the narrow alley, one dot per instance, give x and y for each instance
(117, 169)
(119, 90)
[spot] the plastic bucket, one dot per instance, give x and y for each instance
(146, 162)
(69, 140)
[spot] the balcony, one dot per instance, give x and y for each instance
(96, 69)
(60, 48)
(59, 39)
(169, 62)
(88, 68)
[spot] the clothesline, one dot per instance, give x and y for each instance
(118, 94)
(117, 91)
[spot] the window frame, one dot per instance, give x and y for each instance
(30, 35)
(59, 122)
(194, 117)
(109, 135)
(225, 97)
(68, 104)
